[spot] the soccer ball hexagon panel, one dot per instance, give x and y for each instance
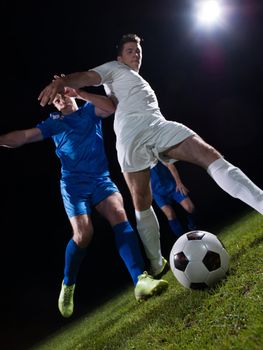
(198, 259)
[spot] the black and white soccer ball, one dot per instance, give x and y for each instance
(198, 259)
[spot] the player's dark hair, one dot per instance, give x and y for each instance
(127, 38)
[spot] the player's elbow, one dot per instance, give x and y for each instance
(92, 78)
(111, 110)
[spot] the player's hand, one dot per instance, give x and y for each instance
(181, 188)
(58, 76)
(48, 94)
(70, 92)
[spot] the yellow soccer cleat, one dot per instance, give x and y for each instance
(147, 286)
(65, 301)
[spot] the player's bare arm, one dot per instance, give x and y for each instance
(74, 80)
(104, 107)
(18, 138)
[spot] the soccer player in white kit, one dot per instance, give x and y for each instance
(144, 135)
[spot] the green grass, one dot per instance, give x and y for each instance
(228, 316)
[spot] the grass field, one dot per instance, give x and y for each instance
(228, 316)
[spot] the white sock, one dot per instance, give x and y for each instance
(149, 232)
(232, 180)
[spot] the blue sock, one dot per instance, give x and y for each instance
(73, 258)
(176, 227)
(129, 249)
(191, 224)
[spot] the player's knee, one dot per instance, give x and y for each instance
(142, 200)
(83, 237)
(119, 214)
(169, 212)
(189, 207)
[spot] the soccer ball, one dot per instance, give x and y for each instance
(198, 259)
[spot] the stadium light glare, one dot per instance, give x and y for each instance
(208, 12)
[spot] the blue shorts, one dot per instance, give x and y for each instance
(79, 197)
(169, 198)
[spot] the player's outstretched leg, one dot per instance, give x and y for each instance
(232, 180)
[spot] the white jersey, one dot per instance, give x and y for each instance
(142, 132)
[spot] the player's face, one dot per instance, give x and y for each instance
(131, 55)
(64, 104)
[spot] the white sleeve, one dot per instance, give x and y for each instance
(105, 71)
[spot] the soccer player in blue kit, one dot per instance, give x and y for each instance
(86, 184)
(168, 188)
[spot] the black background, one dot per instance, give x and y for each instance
(210, 80)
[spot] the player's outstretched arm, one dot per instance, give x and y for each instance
(18, 138)
(74, 80)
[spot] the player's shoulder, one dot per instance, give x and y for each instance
(110, 64)
(116, 65)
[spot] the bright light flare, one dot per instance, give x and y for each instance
(208, 12)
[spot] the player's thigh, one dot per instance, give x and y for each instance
(194, 150)
(138, 181)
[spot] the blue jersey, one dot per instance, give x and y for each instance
(79, 143)
(78, 138)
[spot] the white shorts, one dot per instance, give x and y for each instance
(146, 147)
